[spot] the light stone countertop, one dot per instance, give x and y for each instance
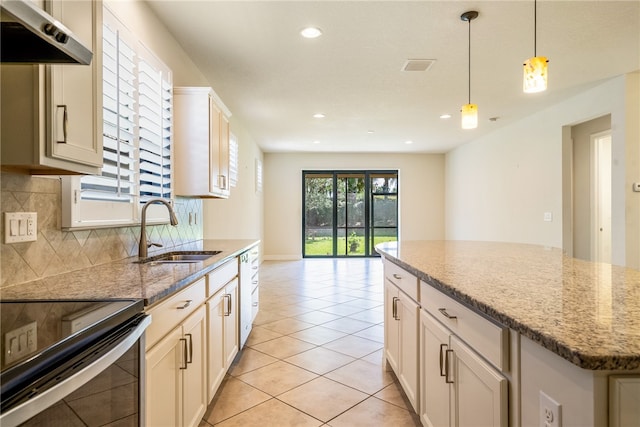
(586, 312)
(126, 279)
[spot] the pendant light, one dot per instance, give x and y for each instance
(469, 111)
(535, 68)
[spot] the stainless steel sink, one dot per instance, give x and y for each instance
(179, 257)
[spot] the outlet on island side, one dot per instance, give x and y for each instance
(550, 411)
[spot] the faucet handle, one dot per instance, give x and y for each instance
(158, 245)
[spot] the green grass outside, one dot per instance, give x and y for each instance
(323, 246)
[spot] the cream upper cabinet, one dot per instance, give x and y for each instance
(201, 143)
(51, 115)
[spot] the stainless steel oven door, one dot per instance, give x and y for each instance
(107, 389)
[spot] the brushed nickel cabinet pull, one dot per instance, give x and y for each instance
(226, 311)
(255, 304)
(185, 305)
(397, 276)
(63, 124)
(394, 308)
(184, 353)
(190, 356)
(445, 314)
(442, 346)
(446, 367)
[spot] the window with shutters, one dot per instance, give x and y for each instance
(137, 126)
(233, 160)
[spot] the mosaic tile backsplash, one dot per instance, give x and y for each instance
(57, 251)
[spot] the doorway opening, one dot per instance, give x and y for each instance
(346, 213)
(587, 190)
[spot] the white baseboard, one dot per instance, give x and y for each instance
(282, 257)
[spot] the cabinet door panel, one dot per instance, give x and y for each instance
(408, 312)
(434, 391)
(214, 147)
(215, 343)
(164, 381)
(231, 336)
(194, 399)
(76, 91)
(392, 327)
(479, 391)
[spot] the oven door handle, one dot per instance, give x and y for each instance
(46, 398)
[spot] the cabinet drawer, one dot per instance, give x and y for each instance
(405, 281)
(486, 337)
(221, 276)
(170, 312)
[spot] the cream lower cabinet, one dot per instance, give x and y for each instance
(222, 324)
(458, 387)
(401, 334)
(176, 360)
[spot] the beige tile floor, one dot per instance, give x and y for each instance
(314, 357)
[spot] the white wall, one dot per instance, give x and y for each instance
(421, 188)
(241, 215)
(138, 18)
(516, 173)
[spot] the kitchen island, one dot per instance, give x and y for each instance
(573, 325)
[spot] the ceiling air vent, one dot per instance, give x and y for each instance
(418, 64)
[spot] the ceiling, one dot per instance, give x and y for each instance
(274, 81)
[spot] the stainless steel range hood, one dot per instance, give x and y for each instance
(31, 36)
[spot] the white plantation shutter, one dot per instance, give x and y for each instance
(137, 136)
(233, 160)
(155, 127)
(117, 182)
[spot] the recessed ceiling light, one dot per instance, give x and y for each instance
(316, 142)
(371, 131)
(408, 142)
(319, 116)
(311, 32)
(445, 116)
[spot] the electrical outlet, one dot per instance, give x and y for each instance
(550, 412)
(20, 342)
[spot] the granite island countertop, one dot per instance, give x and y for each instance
(586, 312)
(127, 279)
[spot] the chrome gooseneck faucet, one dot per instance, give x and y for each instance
(143, 246)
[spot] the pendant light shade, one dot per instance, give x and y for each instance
(535, 68)
(469, 111)
(535, 74)
(469, 116)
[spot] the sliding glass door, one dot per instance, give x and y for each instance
(346, 213)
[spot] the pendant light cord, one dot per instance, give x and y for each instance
(469, 61)
(535, 28)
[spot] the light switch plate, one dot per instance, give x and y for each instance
(20, 227)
